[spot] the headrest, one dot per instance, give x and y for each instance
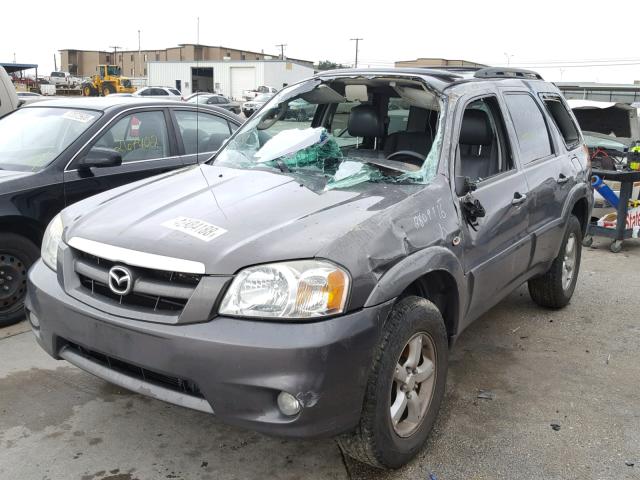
(476, 129)
(365, 122)
(418, 119)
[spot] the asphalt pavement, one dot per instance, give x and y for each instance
(577, 369)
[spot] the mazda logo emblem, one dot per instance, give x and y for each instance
(120, 280)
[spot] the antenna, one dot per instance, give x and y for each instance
(281, 45)
(357, 40)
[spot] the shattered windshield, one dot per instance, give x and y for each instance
(343, 132)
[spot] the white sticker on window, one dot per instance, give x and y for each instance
(196, 228)
(78, 116)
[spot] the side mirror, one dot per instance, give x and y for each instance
(99, 158)
(464, 185)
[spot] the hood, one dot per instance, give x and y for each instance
(8, 175)
(263, 216)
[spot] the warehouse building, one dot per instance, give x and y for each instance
(437, 63)
(228, 77)
(133, 63)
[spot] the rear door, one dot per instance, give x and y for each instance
(200, 133)
(547, 166)
(146, 141)
(496, 247)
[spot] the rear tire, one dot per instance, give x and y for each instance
(17, 254)
(389, 435)
(554, 288)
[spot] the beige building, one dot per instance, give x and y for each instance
(437, 63)
(134, 64)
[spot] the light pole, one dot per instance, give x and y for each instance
(357, 40)
(139, 62)
(509, 57)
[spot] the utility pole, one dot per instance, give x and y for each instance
(115, 53)
(281, 45)
(357, 40)
(198, 33)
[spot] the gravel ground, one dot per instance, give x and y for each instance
(578, 368)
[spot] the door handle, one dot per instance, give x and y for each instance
(562, 179)
(518, 198)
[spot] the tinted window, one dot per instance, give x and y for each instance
(201, 132)
(158, 91)
(138, 136)
(562, 119)
(175, 92)
(530, 127)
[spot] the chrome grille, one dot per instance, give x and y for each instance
(153, 290)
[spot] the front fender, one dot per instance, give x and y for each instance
(404, 273)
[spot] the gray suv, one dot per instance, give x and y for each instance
(310, 278)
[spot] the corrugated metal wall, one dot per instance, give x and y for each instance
(272, 73)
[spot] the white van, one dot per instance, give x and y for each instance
(8, 97)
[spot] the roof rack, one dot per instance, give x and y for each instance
(497, 72)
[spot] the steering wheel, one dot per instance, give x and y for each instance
(408, 153)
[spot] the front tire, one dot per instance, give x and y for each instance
(108, 89)
(554, 288)
(405, 387)
(17, 254)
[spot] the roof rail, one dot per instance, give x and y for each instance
(497, 72)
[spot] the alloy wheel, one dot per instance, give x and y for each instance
(413, 384)
(569, 261)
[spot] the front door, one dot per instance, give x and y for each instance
(143, 140)
(496, 246)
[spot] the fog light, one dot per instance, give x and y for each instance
(288, 404)
(33, 320)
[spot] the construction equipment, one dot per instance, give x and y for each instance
(107, 81)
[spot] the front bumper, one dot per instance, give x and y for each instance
(238, 366)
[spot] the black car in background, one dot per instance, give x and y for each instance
(55, 153)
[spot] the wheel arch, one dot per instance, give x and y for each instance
(23, 226)
(578, 204)
(434, 273)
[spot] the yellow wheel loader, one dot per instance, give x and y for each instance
(108, 80)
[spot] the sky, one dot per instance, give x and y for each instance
(563, 40)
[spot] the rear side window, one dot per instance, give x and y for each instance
(531, 129)
(174, 91)
(201, 132)
(561, 117)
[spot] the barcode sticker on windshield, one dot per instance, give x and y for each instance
(78, 116)
(196, 228)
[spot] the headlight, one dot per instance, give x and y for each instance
(296, 289)
(50, 242)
